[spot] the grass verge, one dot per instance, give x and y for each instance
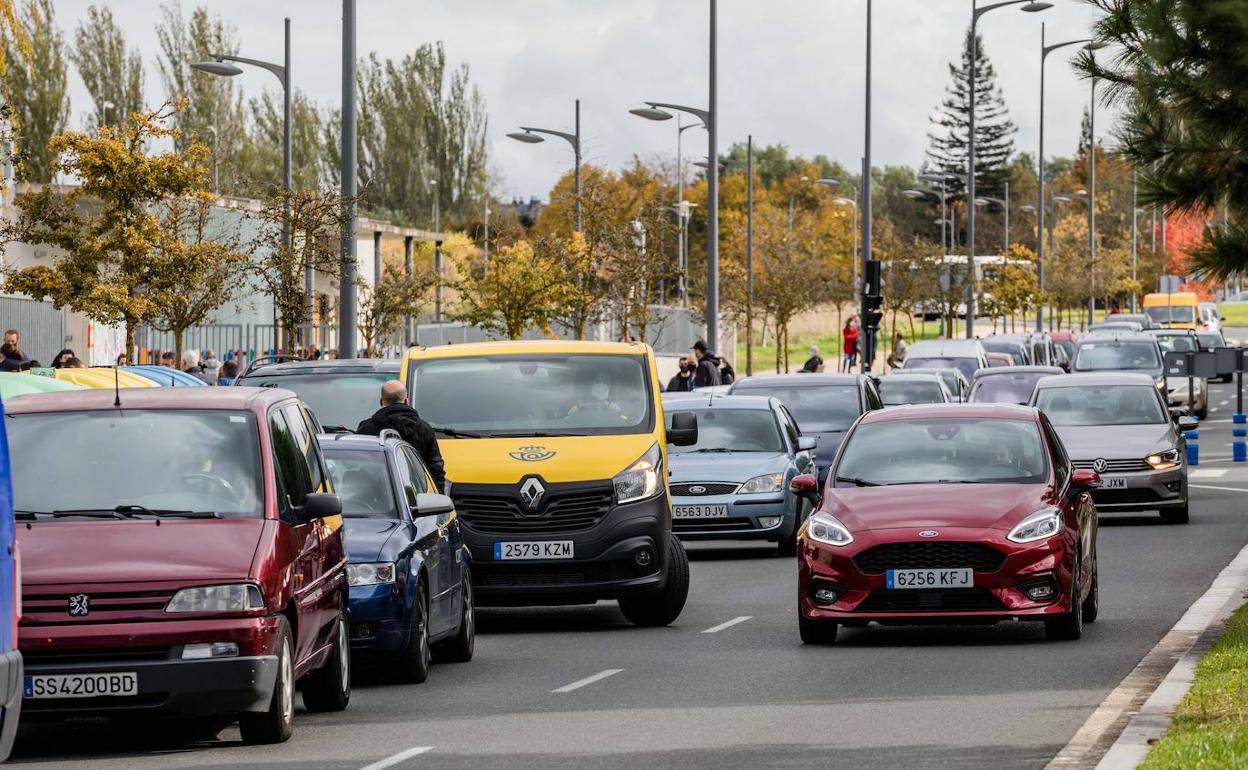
(1234, 313)
(829, 345)
(1210, 727)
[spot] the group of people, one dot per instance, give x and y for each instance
(853, 343)
(12, 359)
(702, 369)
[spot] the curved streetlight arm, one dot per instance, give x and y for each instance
(700, 114)
(276, 69)
(569, 138)
(1048, 49)
(981, 11)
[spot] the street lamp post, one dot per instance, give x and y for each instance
(1004, 203)
(976, 12)
(942, 178)
(749, 254)
(1092, 204)
(530, 135)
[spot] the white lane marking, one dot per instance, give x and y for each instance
(1224, 402)
(578, 684)
(728, 624)
(1221, 489)
(395, 759)
(1208, 473)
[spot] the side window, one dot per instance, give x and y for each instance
(301, 431)
(1061, 463)
(790, 427)
(289, 462)
(414, 473)
(872, 397)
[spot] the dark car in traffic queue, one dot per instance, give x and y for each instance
(11, 678)
(340, 392)
(1009, 386)
(966, 356)
(1113, 351)
(824, 405)
(733, 483)
(958, 384)
(966, 513)
(900, 387)
(409, 570)
(192, 565)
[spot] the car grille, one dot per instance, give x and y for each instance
(1124, 496)
(105, 606)
(929, 555)
(1114, 466)
(708, 488)
(118, 655)
(505, 576)
(951, 600)
(497, 509)
(711, 525)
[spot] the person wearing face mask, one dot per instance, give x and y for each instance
(396, 414)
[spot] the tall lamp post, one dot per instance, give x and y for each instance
(530, 135)
(1004, 203)
(683, 208)
(976, 13)
(221, 65)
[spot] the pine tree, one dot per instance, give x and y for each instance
(112, 72)
(38, 87)
(994, 131)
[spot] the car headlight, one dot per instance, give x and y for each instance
(641, 479)
(1041, 525)
(239, 597)
(370, 573)
(827, 529)
(771, 482)
(1160, 382)
(1163, 460)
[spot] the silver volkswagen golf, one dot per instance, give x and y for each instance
(1117, 424)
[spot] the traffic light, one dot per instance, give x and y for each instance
(872, 315)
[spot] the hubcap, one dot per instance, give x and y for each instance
(344, 656)
(288, 686)
(470, 617)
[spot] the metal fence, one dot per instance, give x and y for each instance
(41, 327)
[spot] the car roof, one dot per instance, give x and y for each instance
(797, 380)
(945, 348)
(734, 402)
(908, 374)
(356, 441)
(1002, 370)
(951, 411)
(939, 371)
(239, 398)
(338, 365)
(1171, 332)
(528, 347)
(1104, 379)
(1128, 337)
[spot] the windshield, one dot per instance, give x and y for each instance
(1210, 341)
(1116, 405)
(1009, 348)
(544, 395)
(734, 430)
(895, 392)
(1005, 388)
(1177, 344)
(968, 366)
(947, 450)
(338, 400)
(362, 480)
(158, 459)
(1180, 314)
(1067, 345)
(1102, 356)
(817, 409)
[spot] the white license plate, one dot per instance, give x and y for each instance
(80, 685)
(699, 511)
(930, 578)
(534, 549)
(1113, 482)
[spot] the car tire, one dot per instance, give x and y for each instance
(1092, 605)
(814, 631)
(1203, 413)
(661, 608)
(1179, 514)
(459, 648)
(329, 687)
(414, 663)
(1069, 626)
(787, 548)
(277, 723)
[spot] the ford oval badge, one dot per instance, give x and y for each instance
(928, 533)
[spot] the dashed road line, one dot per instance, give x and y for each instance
(578, 684)
(727, 624)
(1220, 489)
(1208, 473)
(395, 759)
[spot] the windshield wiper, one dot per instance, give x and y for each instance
(136, 508)
(97, 513)
(858, 482)
(715, 449)
(456, 433)
(536, 434)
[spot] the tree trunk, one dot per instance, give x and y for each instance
(777, 347)
(786, 347)
(131, 351)
(178, 336)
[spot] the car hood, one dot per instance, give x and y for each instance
(829, 442)
(927, 506)
(736, 466)
(125, 551)
(367, 536)
(555, 459)
(1116, 442)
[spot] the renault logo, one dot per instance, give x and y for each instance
(531, 492)
(1099, 465)
(79, 605)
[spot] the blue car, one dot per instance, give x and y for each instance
(734, 482)
(410, 596)
(10, 659)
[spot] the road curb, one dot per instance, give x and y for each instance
(1137, 712)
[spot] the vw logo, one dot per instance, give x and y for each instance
(1099, 465)
(531, 492)
(697, 490)
(79, 605)
(531, 454)
(928, 533)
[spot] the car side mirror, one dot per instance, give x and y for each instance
(807, 443)
(431, 504)
(684, 429)
(318, 505)
(1085, 479)
(1187, 422)
(1176, 413)
(805, 486)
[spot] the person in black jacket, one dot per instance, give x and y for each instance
(683, 381)
(396, 414)
(707, 373)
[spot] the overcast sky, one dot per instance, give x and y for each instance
(790, 71)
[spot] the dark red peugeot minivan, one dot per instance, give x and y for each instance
(182, 555)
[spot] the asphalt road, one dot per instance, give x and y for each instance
(707, 692)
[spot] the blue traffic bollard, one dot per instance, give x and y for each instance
(1193, 448)
(1239, 419)
(1239, 451)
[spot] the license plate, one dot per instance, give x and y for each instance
(930, 578)
(1113, 482)
(534, 549)
(699, 511)
(80, 685)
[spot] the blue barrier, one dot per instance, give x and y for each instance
(1193, 448)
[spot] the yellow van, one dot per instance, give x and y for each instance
(556, 459)
(1180, 310)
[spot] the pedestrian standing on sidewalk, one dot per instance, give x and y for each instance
(190, 365)
(706, 374)
(395, 413)
(211, 367)
(849, 344)
(61, 358)
(683, 381)
(13, 339)
(898, 356)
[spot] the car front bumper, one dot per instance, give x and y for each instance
(1177, 393)
(1144, 491)
(10, 699)
(743, 519)
(379, 619)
